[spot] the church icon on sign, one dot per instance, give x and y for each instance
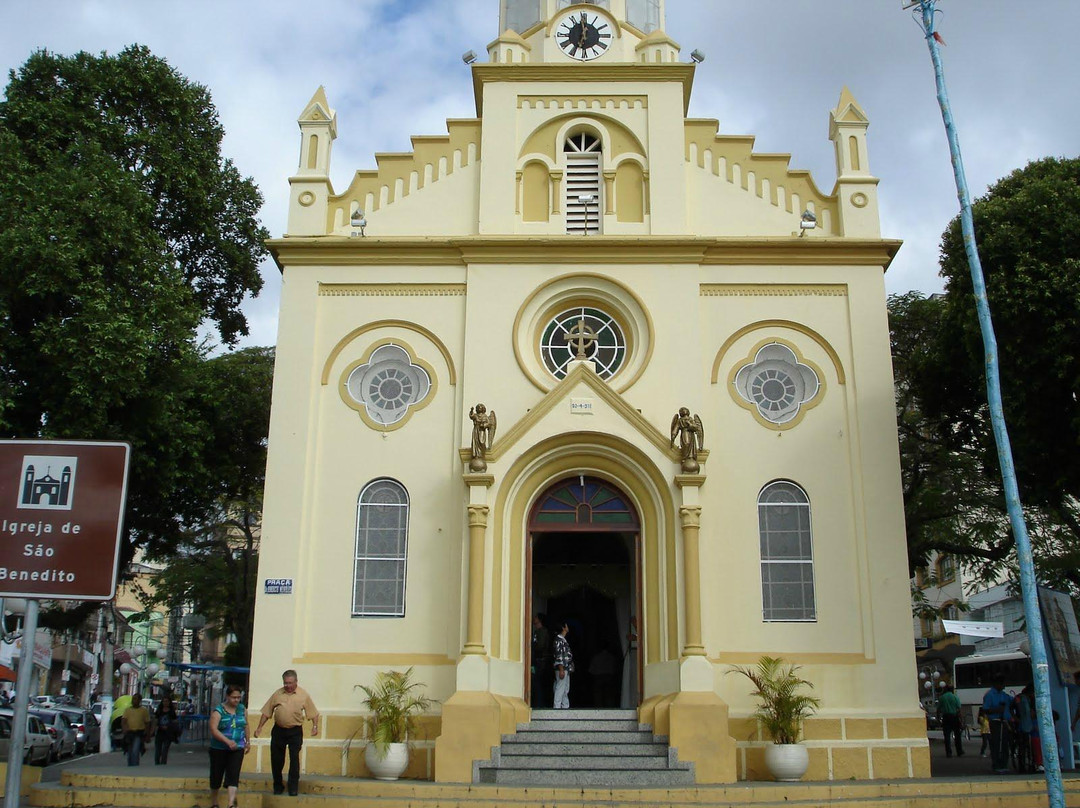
(48, 483)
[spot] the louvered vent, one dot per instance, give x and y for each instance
(582, 179)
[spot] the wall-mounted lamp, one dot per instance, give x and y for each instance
(586, 200)
(360, 222)
(468, 57)
(808, 221)
(697, 55)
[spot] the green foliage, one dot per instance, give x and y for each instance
(394, 702)
(953, 497)
(782, 708)
(122, 231)
(1026, 229)
(213, 566)
(951, 504)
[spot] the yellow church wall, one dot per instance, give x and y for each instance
(722, 208)
(446, 207)
(701, 261)
(636, 120)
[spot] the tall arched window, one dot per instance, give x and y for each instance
(382, 532)
(583, 152)
(787, 557)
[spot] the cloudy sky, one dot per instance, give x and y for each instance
(774, 69)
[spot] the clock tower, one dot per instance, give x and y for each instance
(558, 31)
(694, 459)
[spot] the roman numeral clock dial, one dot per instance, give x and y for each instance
(582, 38)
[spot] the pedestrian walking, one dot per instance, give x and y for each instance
(289, 706)
(952, 726)
(228, 744)
(997, 706)
(136, 725)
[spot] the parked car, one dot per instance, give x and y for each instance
(37, 745)
(87, 729)
(42, 702)
(60, 730)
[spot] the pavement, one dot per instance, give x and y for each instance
(193, 760)
(185, 760)
(969, 765)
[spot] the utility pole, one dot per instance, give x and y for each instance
(926, 15)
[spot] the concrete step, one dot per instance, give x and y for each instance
(584, 736)
(519, 746)
(569, 725)
(558, 763)
(347, 792)
(584, 715)
(622, 778)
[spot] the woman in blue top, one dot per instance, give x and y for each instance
(228, 744)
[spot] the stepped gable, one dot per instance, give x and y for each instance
(733, 160)
(399, 174)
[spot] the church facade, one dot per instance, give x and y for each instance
(585, 357)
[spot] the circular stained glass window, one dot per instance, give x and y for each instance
(772, 389)
(388, 384)
(776, 383)
(592, 330)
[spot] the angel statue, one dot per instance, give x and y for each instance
(690, 433)
(483, 436)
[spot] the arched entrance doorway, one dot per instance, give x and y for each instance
(584, 568)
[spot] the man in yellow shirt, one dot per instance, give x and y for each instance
(289, 706)
(136, 725)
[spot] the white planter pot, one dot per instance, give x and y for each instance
(787, 761)
(390, 767)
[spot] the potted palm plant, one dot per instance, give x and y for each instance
(394, 703)
(782, 708)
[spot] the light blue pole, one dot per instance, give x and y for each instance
(1028, 584)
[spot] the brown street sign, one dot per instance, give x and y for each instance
(61, 510)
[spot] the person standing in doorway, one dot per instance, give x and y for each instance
(951, 725)
(996, 705)
(564, 666)
(541, 663)
(136, 725)
(289, 706)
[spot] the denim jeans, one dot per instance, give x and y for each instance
(134, 747)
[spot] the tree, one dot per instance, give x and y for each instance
(122, 231)
(950, 504)
(953, 494)
(214, 565)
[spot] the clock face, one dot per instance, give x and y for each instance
(583, 38)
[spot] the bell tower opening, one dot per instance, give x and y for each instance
(584, 571)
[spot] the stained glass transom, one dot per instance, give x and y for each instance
(586, 503)
(787, 557)
(382, 528)
(607, 351)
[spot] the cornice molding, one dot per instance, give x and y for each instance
(773, 290)
(574, 74)
(527, 249)
(392, 289)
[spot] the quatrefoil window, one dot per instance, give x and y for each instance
(388, 385)
(776, 383)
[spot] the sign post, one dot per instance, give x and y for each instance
(61, 513)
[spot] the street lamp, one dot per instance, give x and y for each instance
(932, 681)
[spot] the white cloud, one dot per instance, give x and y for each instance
(774, 68)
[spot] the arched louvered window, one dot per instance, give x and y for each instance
(583, 186)
(382, 532)
(787, 553)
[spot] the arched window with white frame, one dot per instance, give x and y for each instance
(583, 151)
(382, 532)
(787, 553)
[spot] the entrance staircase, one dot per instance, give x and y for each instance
(606, 748)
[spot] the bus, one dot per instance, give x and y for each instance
(973, 675)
